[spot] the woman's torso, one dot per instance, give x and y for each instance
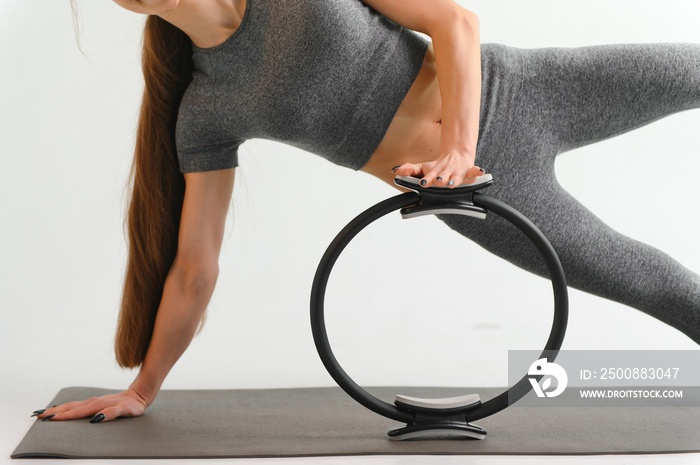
(338, 81)
(414, 133)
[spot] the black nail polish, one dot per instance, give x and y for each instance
(37, 412)
(482, 170)
(49, 417)
(423, 182)
(98, 418)
(395, 168)
(439, 178)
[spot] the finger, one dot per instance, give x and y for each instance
(430, 179)
(110, 413)
(75, 410)
(70, 405)
(443, 179)
(45, 412)
(64, 407)
(455, 180)
(74, 414)
(107, 414)
(410, 169)
(123, 409)
(468, 178)
(37, 413)
(472, 174)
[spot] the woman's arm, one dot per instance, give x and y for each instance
(187, 291)
(454, 31)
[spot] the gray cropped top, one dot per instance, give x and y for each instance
(326, 76)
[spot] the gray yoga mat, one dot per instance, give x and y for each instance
(326, 422)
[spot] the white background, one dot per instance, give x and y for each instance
(67, 124)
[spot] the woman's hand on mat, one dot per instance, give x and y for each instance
(104, 408)
(450, 170)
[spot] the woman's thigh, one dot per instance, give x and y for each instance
(580, 95)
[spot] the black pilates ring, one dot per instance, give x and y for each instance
(415, 199)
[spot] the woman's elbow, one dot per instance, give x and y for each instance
(467, 17)
(456, 17)
(196, 277)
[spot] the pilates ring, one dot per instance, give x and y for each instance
(451, 416)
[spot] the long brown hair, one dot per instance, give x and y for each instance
(156, 188)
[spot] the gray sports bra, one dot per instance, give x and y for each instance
(326, 76)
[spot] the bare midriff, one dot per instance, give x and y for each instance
(414, 132)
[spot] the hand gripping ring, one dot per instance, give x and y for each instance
(428, 417)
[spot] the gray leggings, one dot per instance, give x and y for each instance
(538, 103)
